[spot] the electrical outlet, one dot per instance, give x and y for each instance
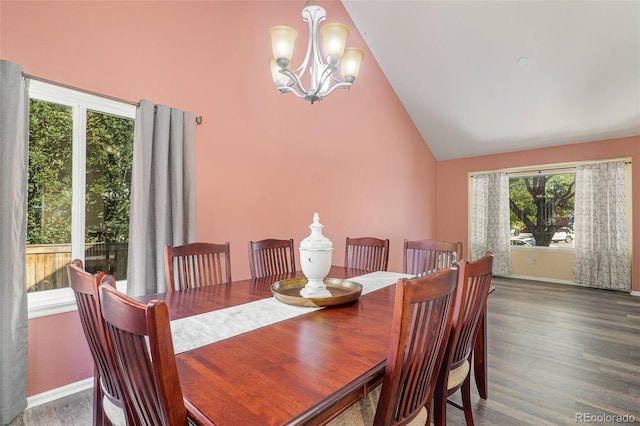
(531, 261)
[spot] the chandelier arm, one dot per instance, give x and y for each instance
(287, 89)
(294, 78)
(337, 86)
(336, 79)
(326, 73)
(314, 15)
(303, 67)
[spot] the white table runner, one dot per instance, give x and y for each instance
(199, 330)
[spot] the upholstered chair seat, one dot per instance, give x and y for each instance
(114, 413)
(362, 412)
(458, 375)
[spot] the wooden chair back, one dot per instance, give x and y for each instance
(85, 289)
(197, 265)
(366, 253)
(470, 304)
(420, 329)
(422, 257)
(271, 257)
(140, 337)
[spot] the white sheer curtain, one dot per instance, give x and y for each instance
(14, 160)
(163, 205)
(490, 220)
(601, 234)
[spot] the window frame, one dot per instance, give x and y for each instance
(62, 300)
(557, 168)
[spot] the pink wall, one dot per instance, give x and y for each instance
(58, 353)
(452, 203)
(265, 162)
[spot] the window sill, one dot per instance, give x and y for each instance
(53, 302)
(546, 249)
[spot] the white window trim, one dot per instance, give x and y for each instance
(62, 95)
(543, 249)
(52, 302)
(58, 301)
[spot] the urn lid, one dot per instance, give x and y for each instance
(315, 240)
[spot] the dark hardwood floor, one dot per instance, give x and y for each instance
(558, 352)
(73, 410)
(558, 355)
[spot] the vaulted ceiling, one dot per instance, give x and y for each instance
(484, 77)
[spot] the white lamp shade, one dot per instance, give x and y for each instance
(351, 60)
(282, 41)
(334, 39)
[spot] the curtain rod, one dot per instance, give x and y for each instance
(89, 92)
(540, 170)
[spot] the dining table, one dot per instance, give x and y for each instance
(246, 358)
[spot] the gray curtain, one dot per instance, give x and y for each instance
(163, 205)
(490, 220)
(602, 257)
(14, 157)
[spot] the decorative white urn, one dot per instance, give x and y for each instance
(315, 259)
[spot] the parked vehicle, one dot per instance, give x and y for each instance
(563, 234)
(523, 241)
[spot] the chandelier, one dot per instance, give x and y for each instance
(322, 69)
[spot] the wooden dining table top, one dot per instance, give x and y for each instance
(290, 372)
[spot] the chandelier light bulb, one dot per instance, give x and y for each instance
(334, 39)
(283, 39)
(351, 63)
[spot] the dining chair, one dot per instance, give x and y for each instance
(140, 338)
(420, 329)
(197, 265)
(271, 257)
(470, 303)
(107, 400)
(366, 253)
(423, 257)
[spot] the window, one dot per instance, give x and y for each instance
(80, 159)
(542, 206)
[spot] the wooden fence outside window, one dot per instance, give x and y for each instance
(47, 263)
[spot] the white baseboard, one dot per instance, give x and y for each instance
(548, 280)
(61, 392)
(551, 280)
